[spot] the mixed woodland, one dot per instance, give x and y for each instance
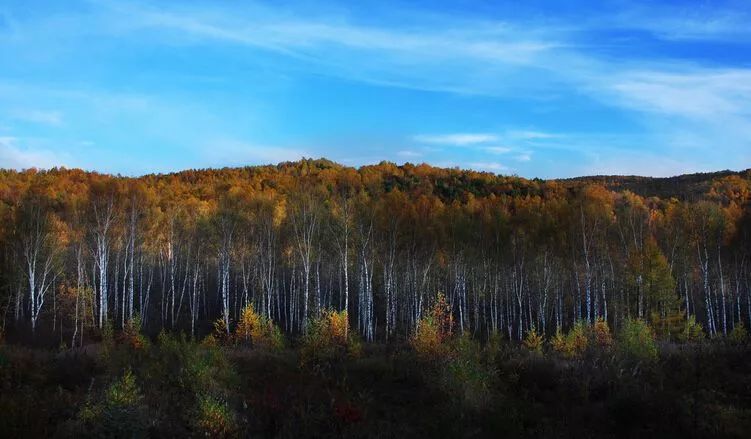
(314, 299)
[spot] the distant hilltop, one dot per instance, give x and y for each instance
(446, 183)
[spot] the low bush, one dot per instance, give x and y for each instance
(329, 337)
(197, 368)
(213, 417)
(693, 331)
(637, 339)
(668, 326)
(576, 340)
(558, 341)
(573, 344)
(534, 341)
(108, 340)
(465, 375)
(427, 340)
(602, 336)
(121, 412)
(433, 329)
(739, 334)
(221, 331)
(257, 330)
(132, 337)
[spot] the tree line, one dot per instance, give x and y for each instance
(179, 251)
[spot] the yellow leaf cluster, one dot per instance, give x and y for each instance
(574, 343)
(338, 324)
(443, 318)
(254, 328)
(434, 329)
(602, 335)
(533, 341)
(427, 339)
(132, 335)
(249, 327)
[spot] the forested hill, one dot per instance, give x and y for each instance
(448, 183)
(684, 187)
(184, 250)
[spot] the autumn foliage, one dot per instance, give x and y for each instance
(534, 341)
(601, 334)
(328, 337)
(132, 337)
(257, 330)
(434, 329)
(574, 343)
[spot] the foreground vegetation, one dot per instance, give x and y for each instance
(585, 383)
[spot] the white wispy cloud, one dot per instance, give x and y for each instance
(497, 149)
(43, 117)
(456, 138)
(683, 21)
(409, 154)
(489, 166)
(241, 153)
(523, 157)
(697, 93)
(15, 156)
(530, 135)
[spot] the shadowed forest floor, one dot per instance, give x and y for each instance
(172, 387)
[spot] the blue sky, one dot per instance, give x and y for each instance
(553, 88)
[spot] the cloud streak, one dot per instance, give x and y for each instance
(461, 139)
(242, 153)
(14, 156)
(42, 117)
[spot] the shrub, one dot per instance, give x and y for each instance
(120, 414)
(638, 340)
(573, 344)
(576, 340)
(443, 317)
(132, 335)
(354, 346)
(534, 341)
(494, 342)
(209, 341)
(601, 332)
(338, 325)
(434, 329)
(739, 334)
(427, 340)
(558, 341)
(108, 339)
(257, 330)
(328, 336)
(194, 367)
(221, 331)
(669, 326)
(213, 417)
(692, 332)
(249, 327)
(465, 374)
(124, 391)
(276, 338)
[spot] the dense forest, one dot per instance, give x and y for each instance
(182, 250)
(310, 299)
